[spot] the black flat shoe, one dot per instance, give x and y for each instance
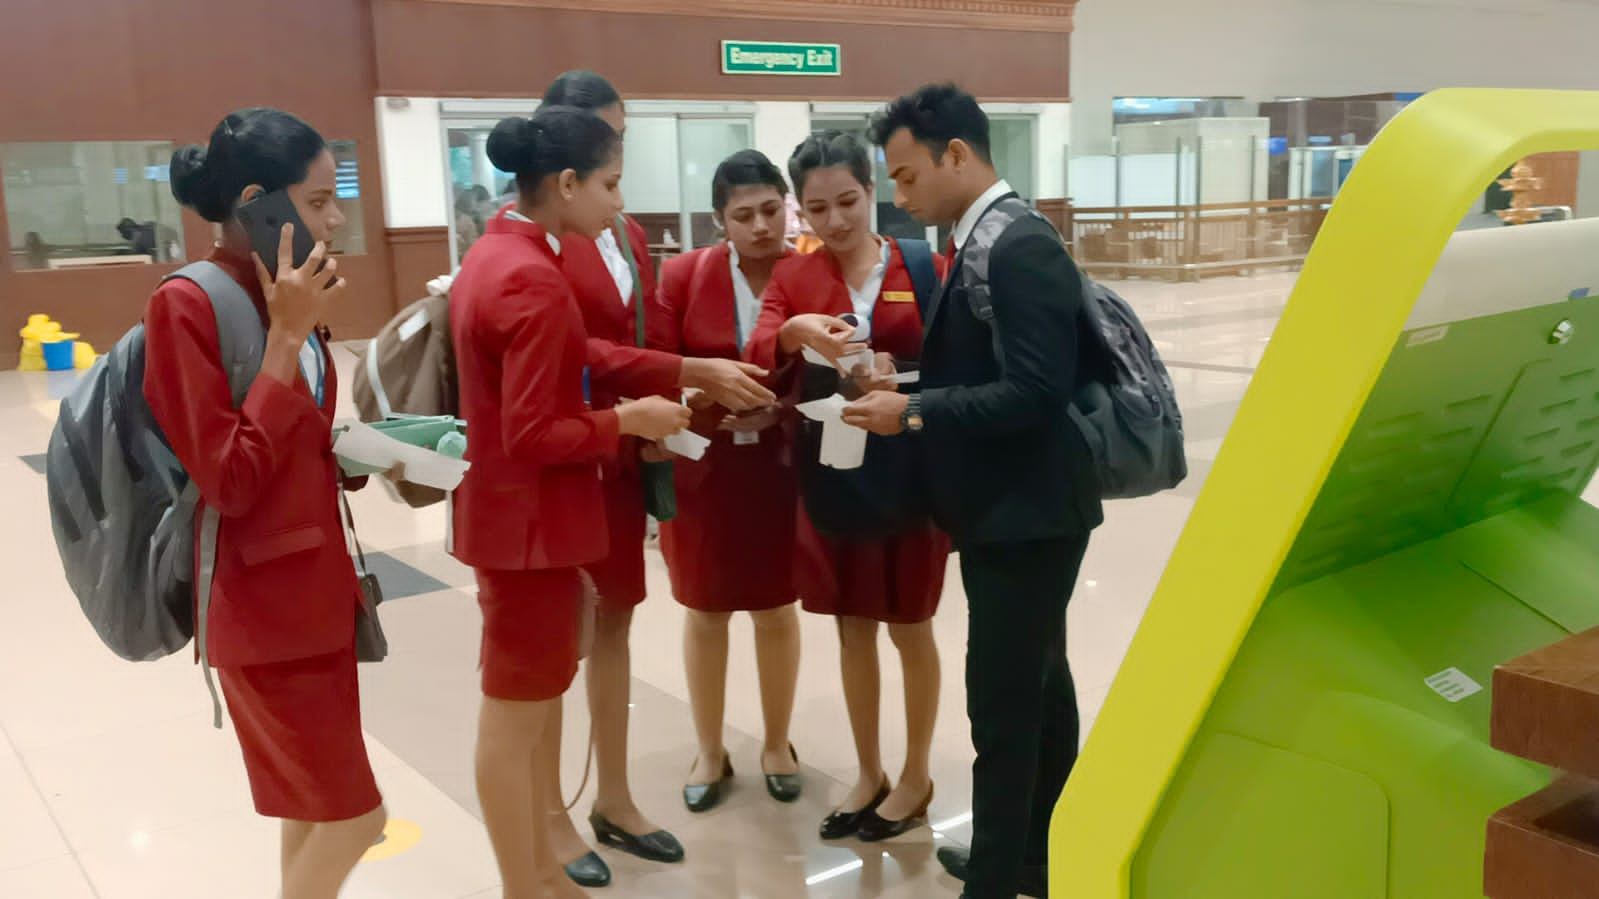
(704, 797)
(786, 787)
(875, 828)
(957, 862)
(659, 846)
(589, 871)
(840, 825)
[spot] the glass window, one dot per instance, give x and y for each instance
(702, 145)
(350, 239)
(476, 186)
(90, 203)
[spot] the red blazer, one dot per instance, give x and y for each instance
(814, 283)
(617, 367)
(532, 497)
(285, 587)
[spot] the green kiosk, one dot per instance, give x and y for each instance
(1304, 712)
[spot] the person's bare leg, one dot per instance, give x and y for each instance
(862, 695)
(777, 661)
(705, 661)
(508, 739)
(918, 653)
(610, 682)
(295, 833)
(546, 859)
(565, 841)
(328, 855)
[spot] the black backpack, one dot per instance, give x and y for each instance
(1128, 415)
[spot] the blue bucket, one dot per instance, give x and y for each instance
(61, 355)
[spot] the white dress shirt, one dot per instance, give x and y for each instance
(865, 299)
(746, 305)
(968, 222)
(621, 272)
(551, 239)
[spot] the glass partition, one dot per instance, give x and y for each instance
(89, 203)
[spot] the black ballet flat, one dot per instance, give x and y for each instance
(659, 846)
(874, 828)
(589, 871)
(841, 825)
(786, 787)
(704, 797)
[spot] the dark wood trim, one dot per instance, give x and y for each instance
(425, 235)
(989, 15)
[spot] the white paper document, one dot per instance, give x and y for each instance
(846, 364)
(843, 445)
(365, 445)
(687, 444)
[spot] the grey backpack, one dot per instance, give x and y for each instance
(1129, 419)
(121, 505)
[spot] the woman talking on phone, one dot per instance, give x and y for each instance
(731, 547)
(880, 560)
(531, 511)
(284, 597)
(614, 282)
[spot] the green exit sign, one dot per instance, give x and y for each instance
(749, 58)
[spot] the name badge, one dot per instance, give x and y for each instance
(746, 438)
(899, 296)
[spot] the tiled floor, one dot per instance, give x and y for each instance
(114, 785)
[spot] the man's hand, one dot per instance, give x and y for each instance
(878, 412)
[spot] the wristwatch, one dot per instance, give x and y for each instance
(911, 418)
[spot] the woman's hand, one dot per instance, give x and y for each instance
(727, 382)
(825, 334)
(750, 422)
(298, 298)
(652, 417)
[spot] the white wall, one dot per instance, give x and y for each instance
(779, 128)
(649, 170)
(1264, 49)
(415, 172)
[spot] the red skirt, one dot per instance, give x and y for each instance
(898, 580)
(729, 550)
(532, 624)
(619, 577)
(299, 727)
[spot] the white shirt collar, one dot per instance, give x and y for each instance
(865, 299)
(746, 305)
(555, 242)
(968, 222)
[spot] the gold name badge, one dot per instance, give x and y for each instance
(899, 296)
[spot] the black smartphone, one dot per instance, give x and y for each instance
(263, 219)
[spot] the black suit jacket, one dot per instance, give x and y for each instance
(1004, 461)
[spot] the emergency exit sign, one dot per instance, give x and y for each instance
(749, 58)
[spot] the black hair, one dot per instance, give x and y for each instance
(746, 168)
(826, 149)
(267, 147)
(583, 90)
(557, 138)
(934, 116)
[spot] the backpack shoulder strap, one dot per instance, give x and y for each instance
(918, 256)
(243, 342)
(239, 329)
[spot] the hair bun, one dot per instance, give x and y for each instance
(513, 145)
(193, 184)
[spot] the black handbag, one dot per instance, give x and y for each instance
(371, 645)
(657, 478)
(880, 499)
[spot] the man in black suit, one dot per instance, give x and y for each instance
(1009, 476)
